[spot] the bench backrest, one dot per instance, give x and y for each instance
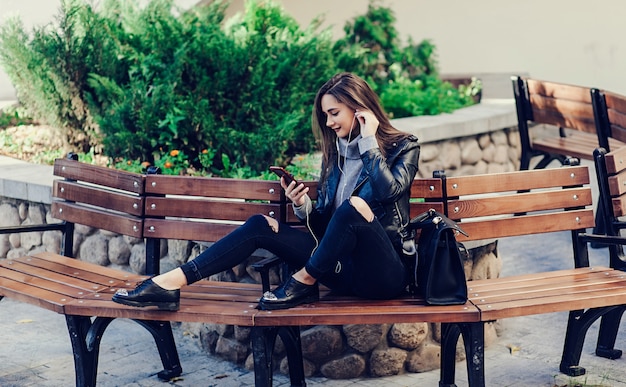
(560, 105)
(99, 197)
(206, 208)
(611, 110)
(521, 203)
(611, 174)
(203, 208)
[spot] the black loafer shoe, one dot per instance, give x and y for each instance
(148, 293)
(291, 293)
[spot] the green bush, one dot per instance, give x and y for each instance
(229, 97)
(406, 78)
(241, 89)
(145, 81)
(49, 70)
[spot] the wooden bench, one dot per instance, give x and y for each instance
(611, 174)
(488, 206)
(567, 110)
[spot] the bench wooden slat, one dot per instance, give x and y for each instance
(33, 295)
(214, 187)
(218, 312)
(579, 145)
(619, 134)
(478, 287)
(616, 160)
(204, 209)
(427, 188)
(576, 140)
(538, 293)
(562, 303)
(81, 274)
(617, 184)
(558, 90)
(565, 108)
(528, 180)
(548, 283)
(362, 313)
(186, 230)
(526, 225)
(109, 177)
(97, 218)
(547, 292)
(42, 276)
(525, 202)
(116, 201)
(617, 117)
(616, 112)
(100, 271)
(583, 124)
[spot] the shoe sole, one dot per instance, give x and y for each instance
(169, 306)
(263, 305)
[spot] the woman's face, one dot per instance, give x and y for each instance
(339, 117)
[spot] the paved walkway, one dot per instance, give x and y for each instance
(35, 348)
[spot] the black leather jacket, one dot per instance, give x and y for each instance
(384, 183)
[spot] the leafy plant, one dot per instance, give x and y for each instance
(14, 116)
(406, 78)
(242, 89)
(234, 96)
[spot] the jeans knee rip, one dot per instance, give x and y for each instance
(273, 223)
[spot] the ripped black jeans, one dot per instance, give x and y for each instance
(354, 256)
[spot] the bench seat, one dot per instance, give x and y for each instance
(75, 288)
(69, 286)
(547, 292)
(575, 144)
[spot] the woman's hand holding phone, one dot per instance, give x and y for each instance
(294, 190)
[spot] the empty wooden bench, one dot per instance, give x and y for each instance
(568, 111)
(611, 174)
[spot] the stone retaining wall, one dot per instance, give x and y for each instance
(334, 351)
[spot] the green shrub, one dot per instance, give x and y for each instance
(14, 116)
(241, 89)
(406, 78)
(230, 96)
(49, 69)
(139, 80)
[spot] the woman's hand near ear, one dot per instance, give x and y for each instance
(368, 122)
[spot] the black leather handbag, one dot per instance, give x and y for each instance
(439, 274)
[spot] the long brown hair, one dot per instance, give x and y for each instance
(357, 94)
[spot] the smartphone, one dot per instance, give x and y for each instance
(282, 172)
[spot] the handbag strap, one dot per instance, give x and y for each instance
(434, 217)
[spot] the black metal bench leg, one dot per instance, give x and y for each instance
(474, 341)
(449, 337)
(578, 323)
(293, 345)
(162, 333)
(85, 336)
(263, 340)
(609, 326)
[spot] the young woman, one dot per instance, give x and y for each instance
(357, 225)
